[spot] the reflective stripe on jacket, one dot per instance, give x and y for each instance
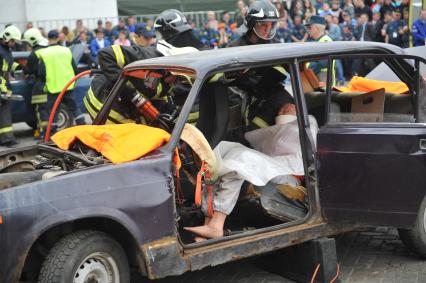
(6, 62)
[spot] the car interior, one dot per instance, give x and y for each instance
(223, 116)
(222, 108)
(362, 99)
(270, 205)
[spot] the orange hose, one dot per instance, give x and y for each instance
(337, 274)
(314, 276)
(58, 100)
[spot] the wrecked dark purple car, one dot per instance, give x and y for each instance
(70, 216)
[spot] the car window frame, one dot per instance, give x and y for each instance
(418, 88)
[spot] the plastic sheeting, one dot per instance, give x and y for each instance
(276, 152)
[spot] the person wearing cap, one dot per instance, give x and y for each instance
(145, 35)
(267, 94)
(316, 29)
(55, 69)
(394, 30)
(99, 26)
(419, 30)
(97, 43)
(8, 37)
(34, 37)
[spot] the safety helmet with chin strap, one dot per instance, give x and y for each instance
(262, 11)
(34, 37)
(170, 23)
(11, 33)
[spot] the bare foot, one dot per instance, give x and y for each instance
(207, 220)
(206, 231)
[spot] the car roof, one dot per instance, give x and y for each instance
(208, 60)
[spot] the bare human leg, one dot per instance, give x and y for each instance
(206, 222)
(213, 229)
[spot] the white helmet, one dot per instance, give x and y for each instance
(34, 37)
(11, 32)
(167, 49)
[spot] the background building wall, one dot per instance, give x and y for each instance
(54, 13)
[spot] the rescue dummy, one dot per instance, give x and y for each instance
(276, 149)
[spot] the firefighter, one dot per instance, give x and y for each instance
(112, 60)
(316, 29)
(36, 40)
(264, 85)
(8, 38)
(56, 67)
(173, 27)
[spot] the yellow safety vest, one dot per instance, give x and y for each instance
(326, 38)
(58, 63)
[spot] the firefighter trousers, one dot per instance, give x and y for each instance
(6, 131)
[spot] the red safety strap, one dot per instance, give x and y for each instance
(301, 178)
(203, 174)
(210, 201)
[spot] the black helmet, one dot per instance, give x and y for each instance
(171, 23)
(262, 11)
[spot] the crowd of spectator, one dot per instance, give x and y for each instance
(347, 20)
(104, 35)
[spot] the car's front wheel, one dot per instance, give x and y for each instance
(415, 238)
(65, 118)
(85, 256)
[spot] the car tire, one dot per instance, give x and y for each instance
(65, 118)
(85, 256)
(415, 238)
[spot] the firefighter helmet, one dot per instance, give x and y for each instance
(11, 33)
(260, 14)
(170, 23)
(34, 37)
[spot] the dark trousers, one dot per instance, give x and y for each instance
(6, 131)
(44, 109)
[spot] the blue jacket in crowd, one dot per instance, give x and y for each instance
(419, 32)
(94, 46)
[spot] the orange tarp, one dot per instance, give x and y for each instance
(360, 84)
(119, 143)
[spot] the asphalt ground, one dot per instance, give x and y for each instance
(371, 255)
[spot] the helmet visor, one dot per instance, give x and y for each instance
(265, 30)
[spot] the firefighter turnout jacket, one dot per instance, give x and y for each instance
(265, 88)
(6, 66)
(112, 59)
